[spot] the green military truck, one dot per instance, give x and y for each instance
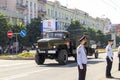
(59, 46)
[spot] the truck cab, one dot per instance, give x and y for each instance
(59, 45)
(54, 45)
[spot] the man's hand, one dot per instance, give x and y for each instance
(111, 60)
(81, 67)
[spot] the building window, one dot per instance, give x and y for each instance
(59, 15)
(56, 14)
(30, 4)
(48, 11)
(35, 5)
(51, 13)
(27, 3)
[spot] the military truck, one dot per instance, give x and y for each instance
(57, 45)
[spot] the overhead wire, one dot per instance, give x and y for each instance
(116, 4)
(107, 3)
(112, 4)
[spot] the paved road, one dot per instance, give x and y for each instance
(28, 70)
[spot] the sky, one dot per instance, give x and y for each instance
(96, 8)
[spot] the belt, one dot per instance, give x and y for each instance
(108, 57)
(83, 64)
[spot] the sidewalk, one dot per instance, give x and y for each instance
(115, 73)
(97, 71)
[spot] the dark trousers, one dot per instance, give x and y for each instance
(119, 62)
(108, 67)
(82, 72)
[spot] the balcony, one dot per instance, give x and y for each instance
(44, 1)
(21, 5)
(12, 13)
(41, 11)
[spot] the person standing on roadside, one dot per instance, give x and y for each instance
(82, 58)
(109, 59)
(0, 49)
(119, 58)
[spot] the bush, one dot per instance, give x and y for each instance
(26, 54)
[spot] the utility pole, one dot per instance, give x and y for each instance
(113, 36)
(5, 4)
(113, 33)
(66, 3)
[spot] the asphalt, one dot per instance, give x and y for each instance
(115, 72)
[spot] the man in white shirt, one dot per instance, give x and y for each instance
(82, 59)
(119, 58)
(109, 58)
(0, 49)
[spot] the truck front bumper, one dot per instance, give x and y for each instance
(47, 51)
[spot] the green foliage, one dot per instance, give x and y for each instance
(26, 54)
(118, 40)
(17, 28)
(3, 30)
(92, 33)
(76, 30)
(34, 30)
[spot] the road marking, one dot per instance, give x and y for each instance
(29, 73)
(23, 74)
(14, 64)
(15, 68)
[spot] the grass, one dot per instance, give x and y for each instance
(29, 55)
(102, 50)
(26, 54)
(23, 55)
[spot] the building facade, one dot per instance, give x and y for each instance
(25, 10)
(22, 10)
(13, 10)
(42, 8)
(64, 16)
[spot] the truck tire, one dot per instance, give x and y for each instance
(62, 57)
(96, 55)
(39, 59)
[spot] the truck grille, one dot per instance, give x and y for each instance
(43, 45)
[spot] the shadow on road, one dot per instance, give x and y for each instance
(94, 62)
(70, 63)
(116, 78)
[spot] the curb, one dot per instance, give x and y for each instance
(17, 58)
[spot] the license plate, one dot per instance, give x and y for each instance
(52, 51)
(42, 51)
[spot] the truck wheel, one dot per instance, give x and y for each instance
(96, 55)
(62, 57)
(39, 59)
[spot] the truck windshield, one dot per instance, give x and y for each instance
(54, 35)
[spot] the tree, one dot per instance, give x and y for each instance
(17, 29)
(118, 40)
(101, 38)
(33, 30)
(92, 33)
(3, 30)
(76, 29)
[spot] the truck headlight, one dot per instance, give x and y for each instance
(54, 46)
(36, 46)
